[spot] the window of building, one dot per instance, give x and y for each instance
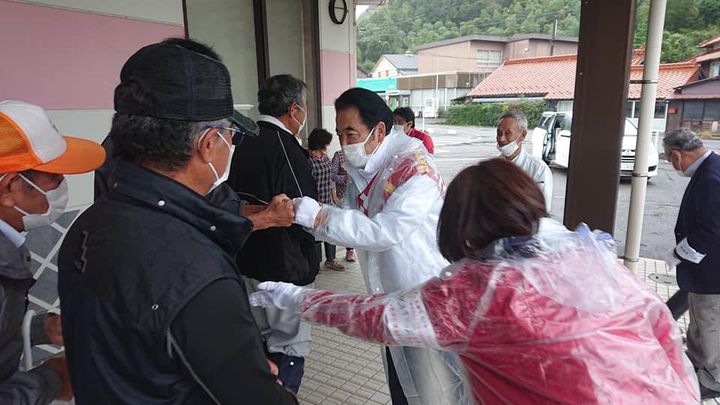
(660, 107)
(712, 111)
(715, 69)
(488, 58)
(693, 111)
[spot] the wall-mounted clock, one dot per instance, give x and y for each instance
(338, 11)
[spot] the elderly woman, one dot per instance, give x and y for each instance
(537, 313)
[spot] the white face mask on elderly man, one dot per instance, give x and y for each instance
(302, 125)
(509, 149)
(57, 202)
(220, 179)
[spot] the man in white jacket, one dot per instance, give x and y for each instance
(390, 215)
(511, 132)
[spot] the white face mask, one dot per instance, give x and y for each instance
(302, 125)
(509, 149)
(355, 153)
(57, 201)
(221, 179)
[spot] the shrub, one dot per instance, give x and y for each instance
(487, 115)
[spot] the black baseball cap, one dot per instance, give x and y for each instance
(168, 81)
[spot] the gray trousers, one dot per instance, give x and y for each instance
(703, 338)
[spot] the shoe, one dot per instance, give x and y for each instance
(350, 256)
(707, 393)
(334, 265)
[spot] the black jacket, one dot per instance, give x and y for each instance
(260, 170)
(699, 222)
(154, 311)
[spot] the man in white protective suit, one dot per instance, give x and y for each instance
(390, 214)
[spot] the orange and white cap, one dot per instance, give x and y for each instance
(29, 140)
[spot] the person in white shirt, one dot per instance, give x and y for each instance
(511, 132)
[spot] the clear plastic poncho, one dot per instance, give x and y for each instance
(390, 216)
(552, 318)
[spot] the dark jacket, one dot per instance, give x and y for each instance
(38, 386)
(260, 171)
(699, 222)
(137, 271)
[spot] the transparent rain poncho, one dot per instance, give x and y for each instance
(552, 318)
(390, 216)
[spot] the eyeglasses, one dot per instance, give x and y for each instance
(238, 134)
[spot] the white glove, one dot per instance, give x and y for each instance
(306, 211)
(672, 260)
(276, 293)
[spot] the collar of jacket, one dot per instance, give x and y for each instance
(161, 193)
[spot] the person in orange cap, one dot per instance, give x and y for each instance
(34, 157)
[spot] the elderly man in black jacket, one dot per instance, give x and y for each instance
(154, 310)
(270, 164)
(697, 253)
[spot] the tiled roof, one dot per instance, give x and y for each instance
(402, 61)
(670, 76)
(710, 42)
(553, 77)
(708, 56)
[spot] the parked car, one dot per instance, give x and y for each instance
(551, 142)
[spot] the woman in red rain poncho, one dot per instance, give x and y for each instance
(537, 313)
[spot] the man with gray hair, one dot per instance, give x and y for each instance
(275, 163)
(511, 133)
(153, 307)
(697, 252)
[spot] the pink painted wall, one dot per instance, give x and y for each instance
(63, 59)
(335, 75)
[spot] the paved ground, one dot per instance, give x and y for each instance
(458, 147)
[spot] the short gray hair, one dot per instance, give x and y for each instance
(681, 139)
(519, 117)
(165, 144)
(277, 94)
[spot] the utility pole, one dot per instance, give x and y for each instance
(554, 35)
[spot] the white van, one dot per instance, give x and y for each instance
(551, 142)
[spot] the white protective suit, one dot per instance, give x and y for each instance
(390, 215)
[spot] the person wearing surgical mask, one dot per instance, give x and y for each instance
(154, 308)
(696, 254)
(272, 163)
(34, 157)
(511, 133)
(390, 215)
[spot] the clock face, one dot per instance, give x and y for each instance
(338, 11)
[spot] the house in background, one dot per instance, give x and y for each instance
(696, 105)
(485, 53)
(393, 65)
(552, 79)
(361, 74)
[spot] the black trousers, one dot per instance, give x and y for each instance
(396, 392)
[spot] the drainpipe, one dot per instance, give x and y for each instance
(656, 23)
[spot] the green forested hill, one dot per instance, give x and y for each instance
(401, 25)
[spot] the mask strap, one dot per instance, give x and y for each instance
(33, 184)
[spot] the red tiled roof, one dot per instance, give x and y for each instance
(710, 42)
(553, 77)
(708, 56)
(638, 56)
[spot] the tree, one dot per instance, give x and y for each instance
(402, 25)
